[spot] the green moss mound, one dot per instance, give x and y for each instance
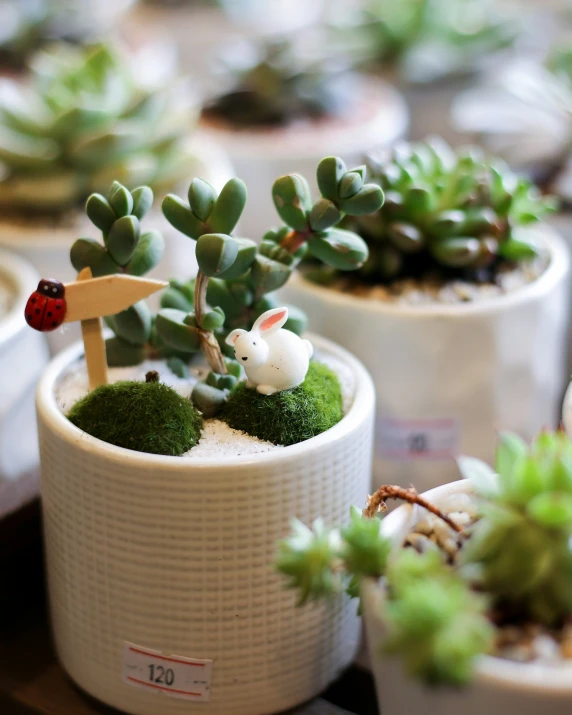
(143, 416)
(290, 416)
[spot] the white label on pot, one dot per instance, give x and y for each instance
(172, 675)
(428, 438)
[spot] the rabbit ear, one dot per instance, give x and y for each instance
(271, 321)
(232, 337)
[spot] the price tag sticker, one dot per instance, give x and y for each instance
(411, 439)
(171, 675)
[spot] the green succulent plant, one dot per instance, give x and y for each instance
(521, 550)
(125, 249)
(436, 623)
(446, 212)
(237, 277)
(427, 40)
(280, 84)
(84, 120)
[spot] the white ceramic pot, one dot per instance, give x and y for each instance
(260, 157)
(499, 686)
(23, 356)
(447, 377)
(48, 248)
(175, 556)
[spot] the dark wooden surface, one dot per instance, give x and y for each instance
(32, 682)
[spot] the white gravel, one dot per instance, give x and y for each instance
(217, 439)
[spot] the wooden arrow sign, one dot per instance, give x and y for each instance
(87, 300)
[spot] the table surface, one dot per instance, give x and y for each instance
(31, 680)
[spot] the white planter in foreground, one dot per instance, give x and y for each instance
(259, 157)
(23, 356)
(448, 377)
(47, 248)
(175, 556)
(499, 686)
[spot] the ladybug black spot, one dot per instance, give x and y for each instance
(55, 324)
(58, 307)
(49, 314)
(29, 318)
(38, 311)
(34, 300)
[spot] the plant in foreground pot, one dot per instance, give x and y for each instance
(459, 259)
(229, 305)
(144, 450)
(487, 570)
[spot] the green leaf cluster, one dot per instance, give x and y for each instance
(83, 120)
(445, 211)
(521, 550)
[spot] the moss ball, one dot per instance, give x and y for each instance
(143, 416)
(290, 416)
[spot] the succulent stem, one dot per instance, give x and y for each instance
(209, 344)
(376, 503)
(293, 241)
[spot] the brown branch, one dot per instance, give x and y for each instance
(209, 344)
(376, 503)
(293, 241)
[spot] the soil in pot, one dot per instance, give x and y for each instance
(217, 438)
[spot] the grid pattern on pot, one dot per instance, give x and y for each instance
(179, 561)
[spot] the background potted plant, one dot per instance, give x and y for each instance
(178, 566)
(466, 588)
(87, 118)
(461, 300)
(286, 104)
(23, 356)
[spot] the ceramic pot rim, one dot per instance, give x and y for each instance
(489, 669)
(48, 411)
(556, 270)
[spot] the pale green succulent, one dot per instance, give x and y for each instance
(84, 120)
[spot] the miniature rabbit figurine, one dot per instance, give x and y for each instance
(274, 359)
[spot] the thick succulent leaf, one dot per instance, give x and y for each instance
(482, 477)
(123, 354)
(216, 253)
(244, 259)
(87, 252)
(213, 320)
(406, 237)
(100, 213)
(228, 207)
(178, 367)
(219, 293)
(268, 275)
(134, 324)
(368, 200)
(121, 200)
(202, 198)
(331, 171)
(100, 149)
(419, 203)
(123, 238)
(324, 215)
(172, 329)
(456, 252)
(147, 254)
(510, 450)
(207, 399)
(178, 213)
(350, 185)
(340, 249)
(518, 248)
(174, 298)
(292, 200)
(142, 201)
(24, 152)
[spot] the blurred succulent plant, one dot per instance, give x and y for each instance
(427, 40)
(436, 624)
(524, 114)
(125, 249)
(453, 213)
(276, 83)
(236, 278)
(85, 120)
(25, 25)
(521, 550)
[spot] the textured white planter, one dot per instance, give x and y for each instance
(447, 377)
(23, 356)
(176, 556)
(499, 686)
(259, 157)
(48, 249)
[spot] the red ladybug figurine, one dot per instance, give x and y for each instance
(46, 307)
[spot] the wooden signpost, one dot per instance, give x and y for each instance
(88, 300)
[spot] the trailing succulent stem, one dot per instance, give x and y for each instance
(449, 213)
(237, 278)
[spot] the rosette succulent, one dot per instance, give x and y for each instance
(276, 83)
(85, 119)
(524, 114)
(446, 212)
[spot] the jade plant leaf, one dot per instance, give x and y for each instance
(171, 327)
(340, 249)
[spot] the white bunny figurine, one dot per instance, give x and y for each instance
(274, 359)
